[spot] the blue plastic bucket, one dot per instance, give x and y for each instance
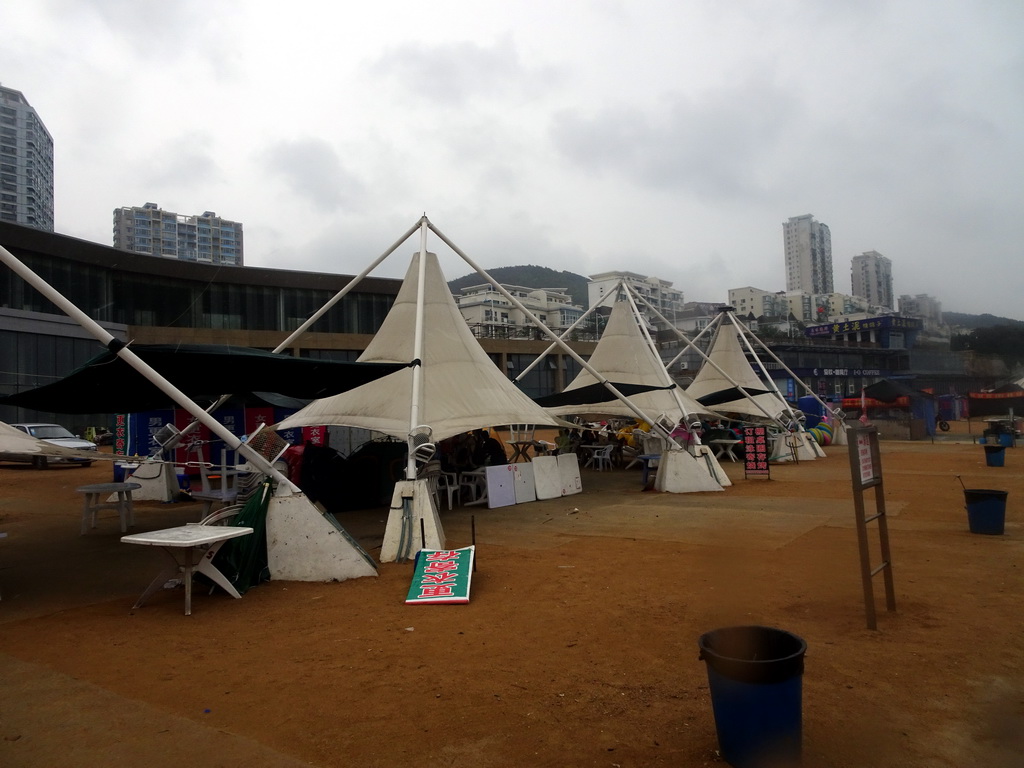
(1006, 440)
(755, 679)
(986, 510)
(995, 455)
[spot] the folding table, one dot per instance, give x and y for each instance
(192, 548)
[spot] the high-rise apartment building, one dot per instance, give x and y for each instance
(659, 293)
(808, 248)
(871, 278)
(206, 238)
(26, 164)
(925, 307)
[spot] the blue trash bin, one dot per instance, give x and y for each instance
(995, 455)
(986, 510)
(755, 679)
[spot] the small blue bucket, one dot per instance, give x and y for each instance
(995, 455)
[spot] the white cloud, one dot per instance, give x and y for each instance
(668, 138)
(312, 169)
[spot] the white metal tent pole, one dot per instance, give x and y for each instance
(716, 324)
(638, 319)
(121, 350)
(565, 333)
(189, 428)
(786, 368)
(689, 342)
(551, 334)
(351, 284)
(764, 371)
(417, 353)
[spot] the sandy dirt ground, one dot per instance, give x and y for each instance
(579, 647)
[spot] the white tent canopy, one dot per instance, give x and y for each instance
(723, 396)
(462, 389)
(623, 356)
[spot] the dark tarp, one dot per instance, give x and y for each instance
(922, 404)
(593, 394)
(204, 372)
(243, 560)
(889, 391)
(995, 404)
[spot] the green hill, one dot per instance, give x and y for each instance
(970, 322)
(530, 276)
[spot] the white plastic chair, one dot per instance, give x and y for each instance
(224, 516)
(438, 481)
(239, 493)
(226, 491)
(601, 459)
(449, 483)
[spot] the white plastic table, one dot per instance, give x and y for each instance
(725, 447)
(192, 548)
(123, 505)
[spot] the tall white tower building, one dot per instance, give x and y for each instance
(808, 248)
(26, 164)
(871, 278)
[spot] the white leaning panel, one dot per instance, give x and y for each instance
(501, 490)
(569, 469)
(547, 477)
(523, 482)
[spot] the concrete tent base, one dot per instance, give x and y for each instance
(404, 524)
(811, 447)
(785, 448)
(839, 434)
(707, 459)
(304, 545)
(158, 480)
(679, 472)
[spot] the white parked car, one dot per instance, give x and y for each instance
(51, 433)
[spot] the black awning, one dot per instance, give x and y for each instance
(593, 394)
(204, 372)
(730, 395)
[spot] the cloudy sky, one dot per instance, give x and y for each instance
(669, 137)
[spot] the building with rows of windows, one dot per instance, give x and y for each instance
(808, 250)
(207, 238)
(26, 164)
(871, 277)
(491, 315)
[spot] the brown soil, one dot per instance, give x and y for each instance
(579, 647)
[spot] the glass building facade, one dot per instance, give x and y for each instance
(151, 300)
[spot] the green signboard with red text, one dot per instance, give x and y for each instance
(442, 576)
